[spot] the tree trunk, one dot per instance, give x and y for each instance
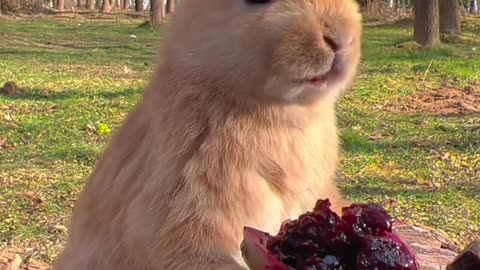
(60, 5)
(426, 32)
(106, 6)
(171, 6)
(390, 3)
(125, 4)
(474, 6)
(116, 4)
(90, 5)
(157, 12)
(139, 5)
(449, 17)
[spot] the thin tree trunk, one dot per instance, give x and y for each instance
(171, 6)
(474, 6)
(139, 5)
(106, 6)
(60, 5)
(116, 4)
(90, 5)
(449, 17)
(390, 3)
(125, 4)
(157, 12)
(79, 3)
(426, 32)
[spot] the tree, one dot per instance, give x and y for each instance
(116, 4)
(139, 5)
(106, 6)
(449, 17)
(90, 4)
(473, 6)
(426, 31)
(125, 4)
(390, 3)
(60, 5)
(157, 12)
(171, 6)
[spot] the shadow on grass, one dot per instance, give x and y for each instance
(55, 46)
(354, 143)
(44, 95)
(384, 190)
(82, 154)
(372, 188)
(402, 23)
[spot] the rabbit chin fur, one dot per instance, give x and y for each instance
(232, 131)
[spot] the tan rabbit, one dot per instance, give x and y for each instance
(236, 128)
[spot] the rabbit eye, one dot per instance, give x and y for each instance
(258, 1)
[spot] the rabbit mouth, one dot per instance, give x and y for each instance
(317, 81)
(334, 73)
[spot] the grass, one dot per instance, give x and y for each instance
(80, 78)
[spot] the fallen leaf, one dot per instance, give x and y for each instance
(3, 142)
(445, 156)
(91, 127)
(59, 228)
(52, 109)
(378, 137)
(15, 263)
(38, 266)
(24, 140)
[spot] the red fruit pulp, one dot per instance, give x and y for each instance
(386, 252)
(366, 219)
(321, 240)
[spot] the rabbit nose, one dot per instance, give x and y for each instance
(334, 45)
(337, 44)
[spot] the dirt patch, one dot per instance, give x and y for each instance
(13, 259)
(441, 102)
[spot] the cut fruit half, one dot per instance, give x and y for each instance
(361, 239)
(255, 253)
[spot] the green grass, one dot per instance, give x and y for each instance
(73, 80)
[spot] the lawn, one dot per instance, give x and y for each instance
(410, 125)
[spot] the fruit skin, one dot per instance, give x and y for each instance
(385, 252)
(362, 239)
(255, 253)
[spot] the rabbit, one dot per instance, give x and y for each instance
(237, 127)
